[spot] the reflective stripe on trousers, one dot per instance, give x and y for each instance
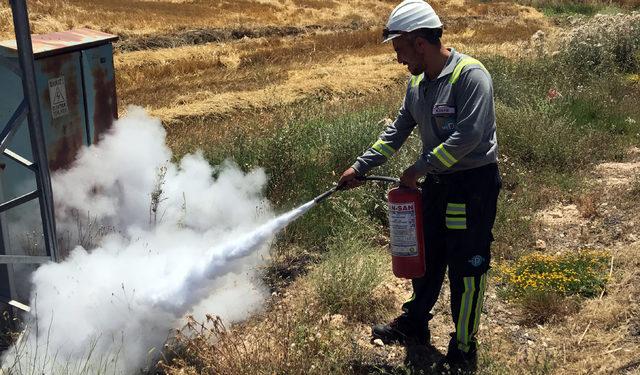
(470, 306)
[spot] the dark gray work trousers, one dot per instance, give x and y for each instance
(459, 212)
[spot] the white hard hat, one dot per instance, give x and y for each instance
(410, 15)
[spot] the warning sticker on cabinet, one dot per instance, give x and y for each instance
(402, 225)
(58, 97)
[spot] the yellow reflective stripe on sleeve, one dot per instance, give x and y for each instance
(466, 301)
(444, 156)
(415, 80)
(383, 148)
(461, 64)
(480, 300)
(413, 297)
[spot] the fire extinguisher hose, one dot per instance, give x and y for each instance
(328, 193)
(392, 180)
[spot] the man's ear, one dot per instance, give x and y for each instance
(420, 44)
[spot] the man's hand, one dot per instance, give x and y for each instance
(348, 179)
(409, 178)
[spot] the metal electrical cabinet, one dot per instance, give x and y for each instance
(77, 94)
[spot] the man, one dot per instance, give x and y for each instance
(450, 97)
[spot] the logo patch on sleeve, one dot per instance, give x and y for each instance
(443, 109)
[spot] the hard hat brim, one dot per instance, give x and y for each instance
(390, 37)
(387, 34)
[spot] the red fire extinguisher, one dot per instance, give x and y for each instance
(405, 223)
(407, 237)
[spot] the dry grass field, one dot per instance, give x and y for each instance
(302, 50)
(219, 72)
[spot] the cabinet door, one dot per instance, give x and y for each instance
(61, 94)
(99, 90)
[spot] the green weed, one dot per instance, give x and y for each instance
(604, 45)
(293, 342)
(580, 273)
(512, 227)
(547, 287)
(346, 281)
(554, 8)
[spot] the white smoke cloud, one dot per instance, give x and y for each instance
(197, 254)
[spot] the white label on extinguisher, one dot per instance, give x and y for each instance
(402, 224)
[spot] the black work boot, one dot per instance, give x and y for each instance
(402, 330)
(459, 361)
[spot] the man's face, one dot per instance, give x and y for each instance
(408, 54)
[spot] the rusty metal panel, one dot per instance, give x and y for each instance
(76, 89)
(77, 102)
(61, 42)
(62, 106)
(99, 90)
(59, 83)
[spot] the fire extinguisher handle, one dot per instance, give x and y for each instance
(392, 180)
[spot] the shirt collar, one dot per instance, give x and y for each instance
(450, 65)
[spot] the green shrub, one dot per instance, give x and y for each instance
(546, 287)
(346, 281)
(290, 342)
(604, 44)
(580, 273)
(512, 227)
(554, 8)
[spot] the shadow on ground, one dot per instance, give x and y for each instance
(419, 360)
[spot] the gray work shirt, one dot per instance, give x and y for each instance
(455, 116)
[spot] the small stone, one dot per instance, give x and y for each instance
(378, 342)
(540, 245)
(337, 320)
